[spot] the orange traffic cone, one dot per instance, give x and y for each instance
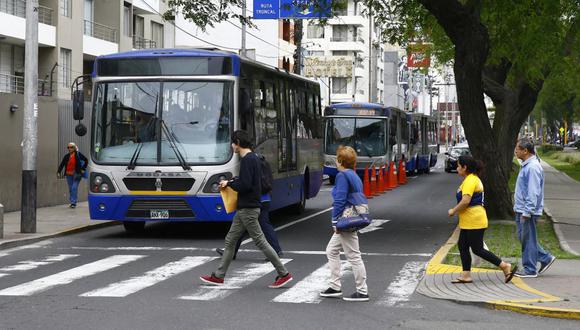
(366, 184)
(401, 175)
(392, 176)
(381, 180)
(386, 176)
(374, 181)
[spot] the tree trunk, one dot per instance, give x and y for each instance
(462, 24)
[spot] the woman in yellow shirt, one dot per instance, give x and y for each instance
(473, 220)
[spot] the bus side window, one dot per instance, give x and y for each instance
(246, 110)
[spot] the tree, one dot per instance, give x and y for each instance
(505, 49)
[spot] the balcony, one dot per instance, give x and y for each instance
(350, 43)
(142, 43)
(100, 31)
(146, 6)
(15, 85)
(348, 18)
(18, 8)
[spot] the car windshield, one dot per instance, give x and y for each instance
(456, 152)
(366, 135)
(195, 115)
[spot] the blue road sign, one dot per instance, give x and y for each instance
(299, 9)
(266, 9)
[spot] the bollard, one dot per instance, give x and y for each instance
(1, 221)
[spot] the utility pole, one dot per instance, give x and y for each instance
(244, 29)
(30, 126)
(370, 52)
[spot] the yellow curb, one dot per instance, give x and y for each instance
(561, 313)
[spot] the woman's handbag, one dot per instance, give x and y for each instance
(355, 216)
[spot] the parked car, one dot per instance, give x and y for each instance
(453, 154)
(574, 144)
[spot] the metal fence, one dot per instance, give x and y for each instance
(15, 85)
(18, 8)
(100, 31)
(66, 128)
(142, 43)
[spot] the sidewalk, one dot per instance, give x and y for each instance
(50, 222)
(556, 293)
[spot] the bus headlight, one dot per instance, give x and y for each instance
(212, 185)
(100, 183)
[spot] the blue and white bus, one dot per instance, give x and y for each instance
(424, 146)
(161, 122)
(379, 134)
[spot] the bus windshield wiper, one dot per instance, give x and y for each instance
(172, 139)
(136, 153)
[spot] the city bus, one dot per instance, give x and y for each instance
(424, 147)
(379, 135)
(161, 124)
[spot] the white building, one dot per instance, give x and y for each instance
(348, 35)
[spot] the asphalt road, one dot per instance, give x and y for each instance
(106, 279)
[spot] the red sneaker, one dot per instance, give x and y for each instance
(281, 281)
(212, 279)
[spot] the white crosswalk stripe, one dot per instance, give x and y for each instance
(404, 285)
(308, 290)
(150, 278)
(237, 280)
(32, 264)
(68, 276)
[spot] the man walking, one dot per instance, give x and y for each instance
(248, 186)
(528, 206)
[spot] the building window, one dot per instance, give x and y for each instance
(127, 20)
(138, 26)
(343, 11)
(314, 31)
(65, 67)
(340, 53)
(64, 8)
(339, 33)
(157, 34)
(314, 53)
(339, 85)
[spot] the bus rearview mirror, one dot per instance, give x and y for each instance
(78, 104)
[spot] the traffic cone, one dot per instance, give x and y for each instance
(386, 176)
(392, 176)
(366, 184)
(401, 175)
(374, 181)
(381, 180)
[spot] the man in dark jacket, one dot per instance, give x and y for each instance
(248, 186)
(75, 165)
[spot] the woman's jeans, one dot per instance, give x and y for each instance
(532, 251)
(73, 188)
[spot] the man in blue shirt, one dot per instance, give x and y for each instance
(528, 206)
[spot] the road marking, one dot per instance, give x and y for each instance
(238, 279)
(308, 290)
(404, 285)
(150, 278)
(24, 247)
(68, 276)
(32, 264)
(375, 225)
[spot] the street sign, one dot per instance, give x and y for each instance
(302, 9)
(266, 9)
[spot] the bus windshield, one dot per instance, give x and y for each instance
(366, 135)
(190, 116)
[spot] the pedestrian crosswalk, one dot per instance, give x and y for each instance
(242, 275)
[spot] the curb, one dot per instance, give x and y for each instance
(563, 243)
(74, 230)
(436, 266)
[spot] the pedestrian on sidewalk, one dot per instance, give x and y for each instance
(473, 221)
(264, 219)
(248, 186)
(346, 181)
(75, 165)
(528, 207)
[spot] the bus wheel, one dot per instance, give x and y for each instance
(331, 179)
(299, 207)
(134, 227)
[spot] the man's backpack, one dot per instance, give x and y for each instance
(266, 178)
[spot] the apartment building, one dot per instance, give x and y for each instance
(71, 34)
(353, 35)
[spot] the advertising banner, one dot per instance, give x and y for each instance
(418, 55)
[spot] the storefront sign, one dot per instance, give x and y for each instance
(335, 66)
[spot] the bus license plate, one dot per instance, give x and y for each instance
(159, 214)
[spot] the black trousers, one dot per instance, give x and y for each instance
(473, 238)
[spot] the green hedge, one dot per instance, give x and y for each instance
(550, 147)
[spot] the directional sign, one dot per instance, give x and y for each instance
(266, 9)
(302, 9)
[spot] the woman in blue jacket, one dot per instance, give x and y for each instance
(346, 181)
